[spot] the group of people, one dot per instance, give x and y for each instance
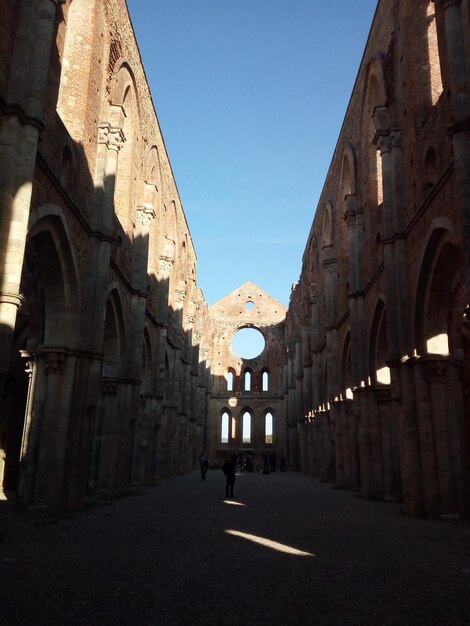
(229, 467)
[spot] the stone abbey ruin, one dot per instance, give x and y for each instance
(113, 367)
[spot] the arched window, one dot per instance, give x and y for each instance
(265, 381)
(230, 380)
(246, 427)
(224, 427)
(268, 428)
(247, 381)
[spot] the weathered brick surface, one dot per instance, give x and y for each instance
(409, 260)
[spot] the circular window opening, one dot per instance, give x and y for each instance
(249, 305)
(248, 343)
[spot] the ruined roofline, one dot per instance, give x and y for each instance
(251, 284)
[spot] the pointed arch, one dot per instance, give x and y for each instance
(50, 277)
(124, 113)
(379, 372)
(346, 367)
(147, 365)
(440, 293)
(114, 342)
(327, 226)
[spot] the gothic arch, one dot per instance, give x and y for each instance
(151, 185)
(379, 371)
(374, 100)
(440, 293)
(327, 229)
(146, 373)
(124, 113)
(346, 367)
(348, 173)
(114, 339)
(50, 277)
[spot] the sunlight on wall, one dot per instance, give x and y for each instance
(234, 503)
(439, 344)
(268, 543)
(383, 375)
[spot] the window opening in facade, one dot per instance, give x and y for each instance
(229, 381)
(246, 427)
(224, 430)
(247, 385)
(265, 381)
(268, 428)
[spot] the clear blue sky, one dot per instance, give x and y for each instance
(250, 95)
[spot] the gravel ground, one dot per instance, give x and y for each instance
(163, 556)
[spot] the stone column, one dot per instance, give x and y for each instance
(20, 125)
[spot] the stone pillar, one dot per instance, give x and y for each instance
(20, 124)
(47, 437)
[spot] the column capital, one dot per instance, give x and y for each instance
(109, 386)
(180, 295)
(54, 361)
(11, 298)
(384, 141)
(111, 136)
(330, 266)
(165, 264)
(145, 215)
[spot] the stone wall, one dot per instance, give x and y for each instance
(98, 294)
(378, 325)
(238, 407)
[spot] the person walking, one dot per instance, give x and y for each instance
(204, 464)
(228, 469)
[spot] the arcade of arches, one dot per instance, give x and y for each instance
(114, 369)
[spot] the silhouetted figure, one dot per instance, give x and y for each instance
(283, 463)
(204, 463)
(266, 463)
(228, 469)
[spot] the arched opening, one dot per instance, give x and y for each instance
(265, 380)
(146, 366)
(379, 371)
(246, 428)
(268, 428)
(327, 227)
(224, 427)
(113, 339)
(440, 280)
(247, 381)
(346, 369)
(230, 379)
(46, 318)
(125, 189)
